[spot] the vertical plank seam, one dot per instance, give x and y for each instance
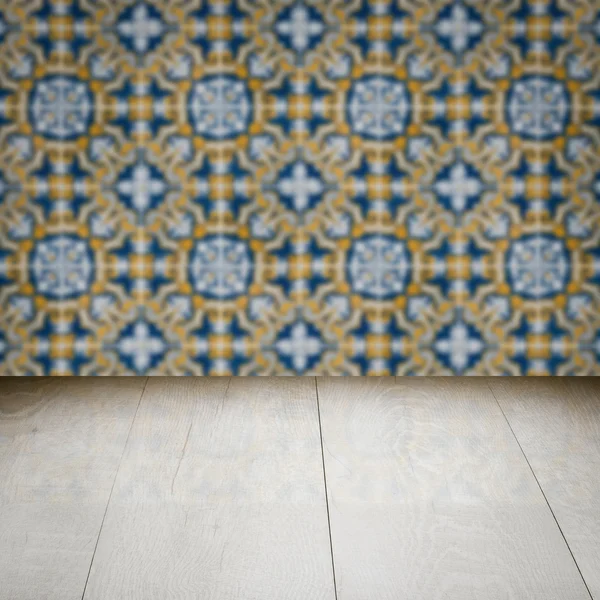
(113, 487)
(541, 490)
(326, 493)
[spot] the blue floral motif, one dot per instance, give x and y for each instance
(219, 107)
(538, 108)
(459, 187)
(141, 186)
(61, 107)
(141, 27)
(62, 267)
(300, 28)
(459, 27)
(141, 346)
(378, 266)
(538, 266)
(378, 107)
(299, 346)
(220, 267)
(300, 186)
(458, 346)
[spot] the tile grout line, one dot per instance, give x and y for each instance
(326, 494)
(113, 486)
(541, 490)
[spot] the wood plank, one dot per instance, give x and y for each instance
(557, 423)
(220, 496)
(430, 496)
(60, 445)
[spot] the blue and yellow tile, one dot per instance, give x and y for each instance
(300, 187)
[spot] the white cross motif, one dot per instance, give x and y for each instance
(300, 186)
(460, 187)
(300, 28)
(299, 346)
(141, 188)
(141, 346)
(459, 29)
(142, 28)
(459, 346)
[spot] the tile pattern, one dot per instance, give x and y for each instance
(263, 187)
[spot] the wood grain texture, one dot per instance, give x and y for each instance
(557, 423)
(60, 445)
(431, 498)
(220, 496)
